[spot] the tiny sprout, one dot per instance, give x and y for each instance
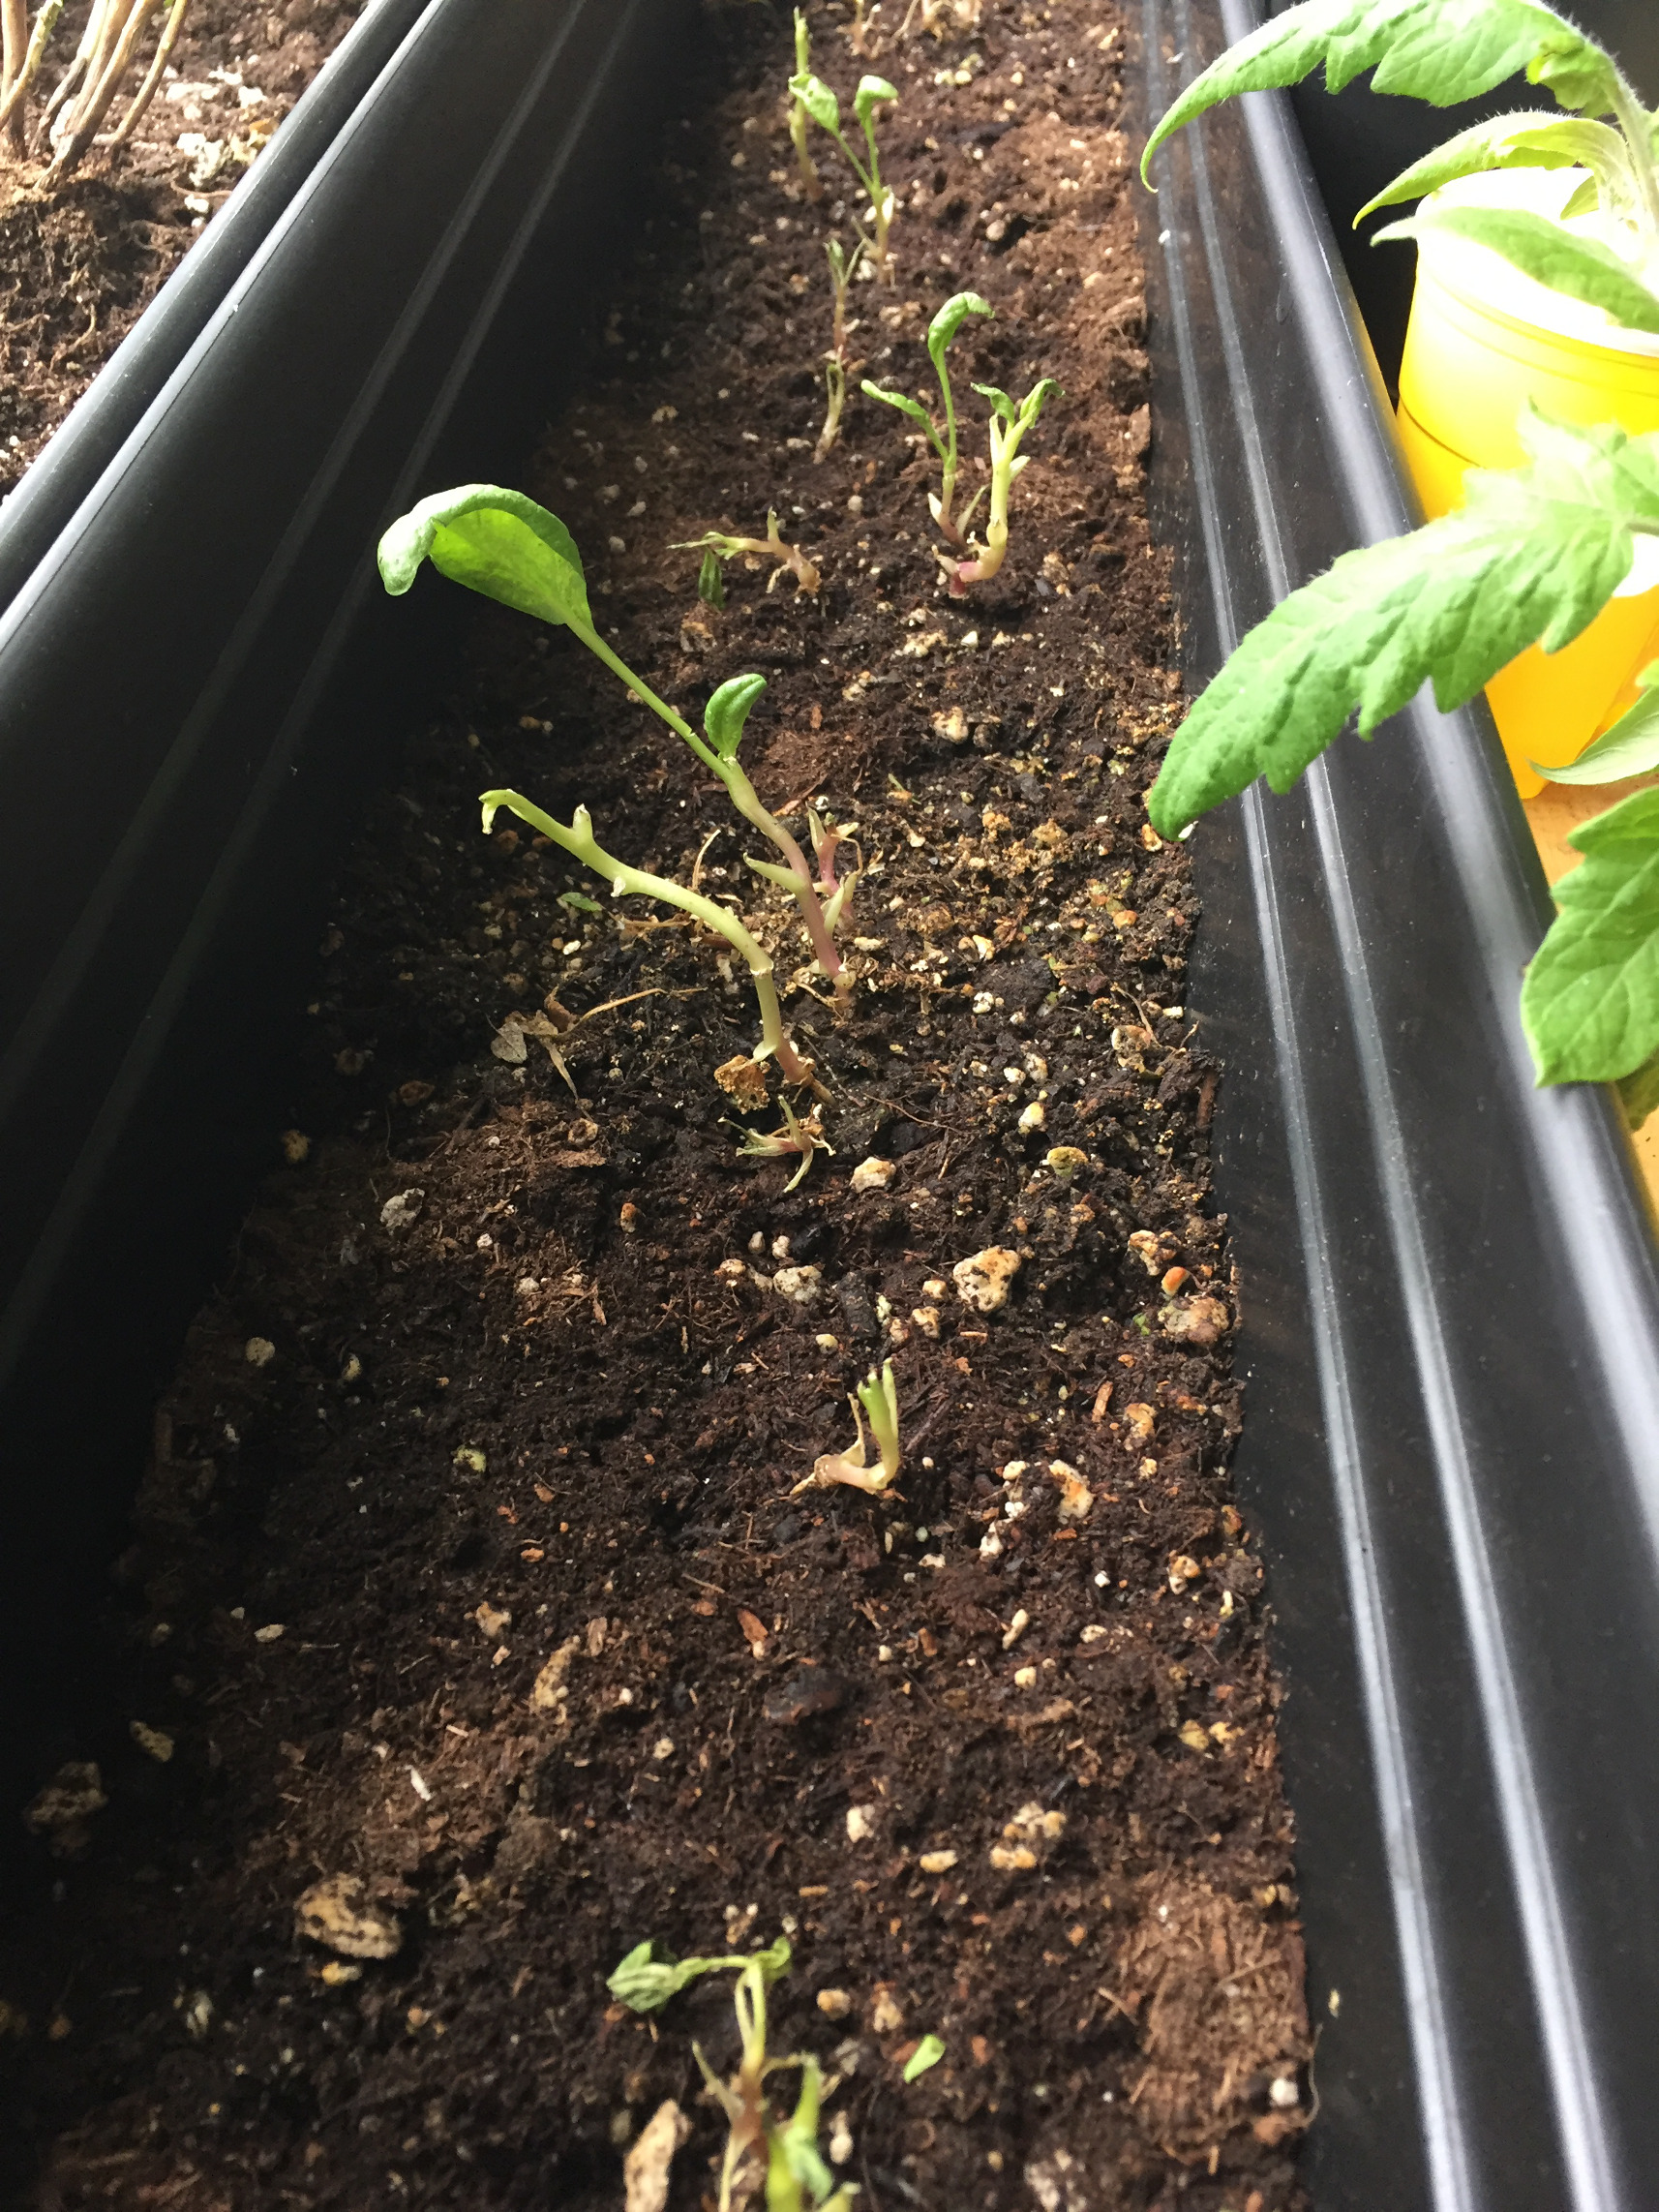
(579, 840)
(1007, 427)
(939, 332)
(716, 549)
(879, 1398)
(505, 546)
(795, 2177)
(860, 28)
(810, 179)
(818, 100)
(803, 1136)
(837, 368)
(927, 2052)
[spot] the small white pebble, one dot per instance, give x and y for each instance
(861, 1823)
(258, 1351)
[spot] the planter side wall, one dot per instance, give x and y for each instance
(203, 675)
(1450, 1307)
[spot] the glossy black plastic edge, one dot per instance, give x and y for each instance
(108, 410)
(203, 677)
(1450, 1299)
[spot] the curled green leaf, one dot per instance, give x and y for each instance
(1424, 49)
(871, 90)
(949, 319)
(1581, 268)
(644, 1983)
(819, 102)
(1528, 141)
(927, 2052)
(727, 712)
(494, 542)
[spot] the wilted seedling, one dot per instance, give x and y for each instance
(1007, 427)
(939, 332)
(836, 366)
(824, 109)
(579, 840)
(795, 1136)
(877, 1395)
(798, 120)
(795, 2177)
(716, 548)
(860, 28)
(505, 546)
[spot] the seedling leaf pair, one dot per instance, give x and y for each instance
(644, 1981)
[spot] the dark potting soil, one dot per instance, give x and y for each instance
(470, 1567)
(79, 265)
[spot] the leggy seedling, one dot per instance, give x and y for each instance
(799, 122)
(579, 840)
(716, 549)
(939, 332)
(795, 2177)
(836, 366)
(824, 109)
(1009, 425)
(502, 544)
(879, 1398)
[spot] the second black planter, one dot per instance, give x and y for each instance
(1451, 1309)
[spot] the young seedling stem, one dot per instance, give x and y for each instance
(504, 545)
(1009, 425)
(837, 366)
(799, 121)
(939, 332)
(22, 52)
(579, 840)
(715, 547)
(107, 47)
(815, 97)
(879, 1398)
(805, 1137)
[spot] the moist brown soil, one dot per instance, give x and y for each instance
(469, 1564)
(80, 266)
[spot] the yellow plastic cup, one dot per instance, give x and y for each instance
(1482, 341)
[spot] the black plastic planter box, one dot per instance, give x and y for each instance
(1451, 1314)
(1450, 1297)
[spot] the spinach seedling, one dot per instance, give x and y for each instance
(502, 544)
(1428, 50)
(795, 2177)
(799, 121)
(579, 840)
(836, 366)
(1531, 556)
(807, 1138)
(939, 332)
(824, 109)
(1009, 425)
(879, 1398)
(717, 549)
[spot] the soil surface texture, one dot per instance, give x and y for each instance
(80, 263)
(474, 1627)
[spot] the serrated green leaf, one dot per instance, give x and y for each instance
(819, 102)
(949, 319)
(1580, 268)
(1528, 140)
(927, 2052)
(1638, 1094)
(1630, 747)
(494, 542)
(1590, 1001)
(871, 89)
(1533, 556)
(1001, 404)
(727, 712)
(1438, 50)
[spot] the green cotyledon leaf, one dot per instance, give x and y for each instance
(949, 319)
(1528, 140)
(1438, 50)
(494, 542)
(644, 1983)
(1580, 268)
(1630, 747)
(819, 102)
(1590, 1001)
(1533, 555)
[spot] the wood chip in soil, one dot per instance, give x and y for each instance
(468, 1583)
